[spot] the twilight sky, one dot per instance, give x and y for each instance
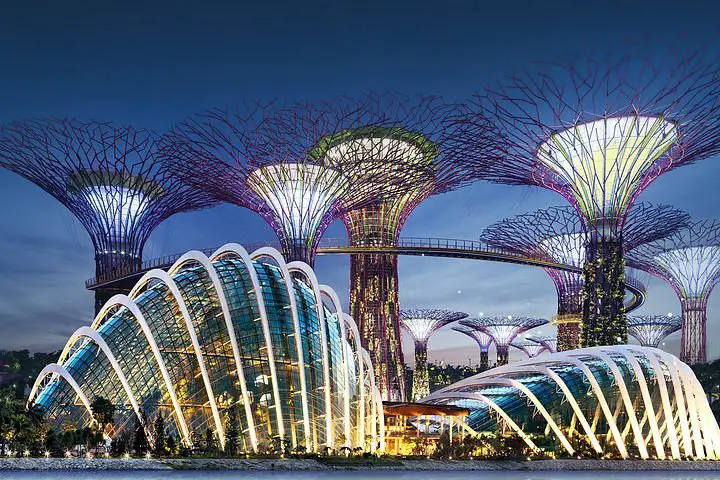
(153, 63)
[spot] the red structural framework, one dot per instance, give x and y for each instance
(598, 133)
(109, 177)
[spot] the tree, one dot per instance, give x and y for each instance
(210, 446)
(171, 445)
(232, 433)
(103, 412)
(140, 441)
(160, 436)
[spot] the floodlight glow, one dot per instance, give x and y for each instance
(120, 207)
(568, 249)
(603, 160)
(299, 196)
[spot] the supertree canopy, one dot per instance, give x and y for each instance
(108, 177)
(550, 343)
(421, 324)
(650, 330)
(285, 162)
(503, 330)
(529, 348)
(483, 340)
(689, 260)
(599, 133)
(558, 234)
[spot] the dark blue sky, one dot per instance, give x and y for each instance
(152, 63)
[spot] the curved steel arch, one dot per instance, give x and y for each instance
(239, 251)
(304, 269)
(57, 369)
(166, 279)
(105, 348)
(337, 307)
(127, 302)
(275, 256)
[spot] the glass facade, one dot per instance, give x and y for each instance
(234, 333)
(622, 401)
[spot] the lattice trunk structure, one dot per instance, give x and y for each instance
(421, 376)
(503, 330)
(650, 330)
(374, 289)
(693, 339)
(569, 286)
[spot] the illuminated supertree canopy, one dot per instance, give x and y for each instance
(650, 330)
(503, 330)
(421, 324)
(108, 176)
(599, 133)
(483, 340)
(550, 343)
(558, 234)
(423, 134)
(531, 349)
(283, 162)
(689, 260)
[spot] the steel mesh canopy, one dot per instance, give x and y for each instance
(531, 349)
(302, 165)
(422, 323)
(503, 329)
(650, 330)
(599, 132)
(558, 234)
(550, 343)
(481, 337)
(108, 176)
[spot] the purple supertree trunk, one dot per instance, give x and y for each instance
(503, 355)
(484, 359)
(693, 337)
(569, 287)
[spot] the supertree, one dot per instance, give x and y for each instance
(558, 234)
(650, 330)
(483, 340)
(304, 165)
(689, 261)
(108, 176)
(421, 324)
(503, 330)
(599, 133)
(531, 349)
(425, 135)
(550, 343)
(284, 163)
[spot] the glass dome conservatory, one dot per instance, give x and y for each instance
(622, 401)
(233, 334)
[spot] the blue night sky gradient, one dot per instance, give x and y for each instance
(153, 63)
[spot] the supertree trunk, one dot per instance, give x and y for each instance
(604, 321)
(693, 337)
(503, 353)
(484, 363)
(569, 287)
(298, 251)
(421, 377)
(110, 265)
(374, 306)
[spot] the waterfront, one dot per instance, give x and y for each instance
(348, 475)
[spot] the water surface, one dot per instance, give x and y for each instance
(357, 475)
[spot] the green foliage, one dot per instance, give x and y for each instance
(232, 433)
(603, 295)
(103, 412)
(20, 429)
(140, 444)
